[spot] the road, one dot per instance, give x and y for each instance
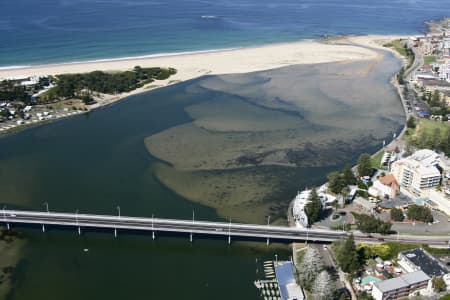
(203, 227)
(169, 225)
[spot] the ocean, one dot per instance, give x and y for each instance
(54, 31)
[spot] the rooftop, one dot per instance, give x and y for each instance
(424, 162)
(435, 82)
(388, 180)
(397, 202)
(402, 281)
(289, 288)
(426, 157)
(425, 262)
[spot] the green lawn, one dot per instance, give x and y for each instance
(376, 160)
(398, 46)
(397, 247)
(429, 59)
(426, 126)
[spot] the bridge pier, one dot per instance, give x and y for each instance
(43, 228)
(115, 232)
(79, 230)
(153, 235)
(190, 237)
(268, 241)
(7, 226)
(229, 239)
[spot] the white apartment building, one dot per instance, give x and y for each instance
(444, 70)
(418, 172)
(401, 287)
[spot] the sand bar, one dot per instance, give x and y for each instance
(193, 65)
(231, 61)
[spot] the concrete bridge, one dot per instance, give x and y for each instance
(154, 225)
(190, 227)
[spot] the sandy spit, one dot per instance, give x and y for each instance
(193, 65)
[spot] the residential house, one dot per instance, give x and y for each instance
(385, 187)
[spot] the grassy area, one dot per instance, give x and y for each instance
(376, 160)
(396, 248)
(398, 46)
(436, 250)
(427, 128)
(429, 59)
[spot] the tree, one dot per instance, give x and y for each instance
(397, 214)
(310, 266)
(444, 144)
(400, 79)
(411, 123)
(371, 251)
(419, 213)
(438, 284)
(435, 99)
(362, 185)
(4, 113)
(405, 91)
(324, 287)
(364, 165)
(314, 207)
(349, 177)
(87, 98)
(347, 256)
(336, 182)
(436, 138)
(365, 296)
(345, 192)
(370, 224)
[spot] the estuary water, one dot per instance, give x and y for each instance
(305, 126)
(95, 163)
(50, 31)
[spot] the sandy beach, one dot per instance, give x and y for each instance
(193, 65)
(220, 62)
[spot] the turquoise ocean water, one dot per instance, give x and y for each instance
(50, 31)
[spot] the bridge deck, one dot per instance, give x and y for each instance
(203, 227)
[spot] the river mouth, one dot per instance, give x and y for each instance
(253, 137)
(233, 147)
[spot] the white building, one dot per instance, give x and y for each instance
(444, 70)
(418, 172)
(401, 287)
(300, 201)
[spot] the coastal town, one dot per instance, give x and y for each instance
(402, 189)
(387, 207)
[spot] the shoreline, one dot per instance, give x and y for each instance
(356, 40)
(298, 52)
(125, 58)
(396, 85)
(196, 64)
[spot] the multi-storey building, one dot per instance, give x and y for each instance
(402, 286)
(418, 172)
